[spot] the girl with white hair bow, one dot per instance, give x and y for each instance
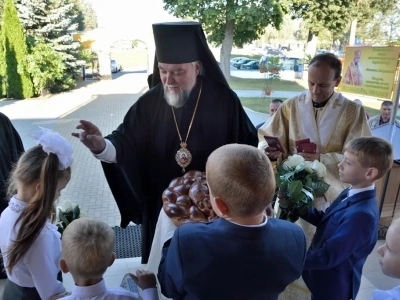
(29, 241)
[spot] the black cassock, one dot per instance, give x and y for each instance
(11, 148)
(147, 141)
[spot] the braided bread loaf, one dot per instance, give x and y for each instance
(187, 199)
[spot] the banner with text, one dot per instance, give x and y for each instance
(370, 71)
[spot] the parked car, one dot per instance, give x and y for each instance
(241, 62)
(115, 66)
(236, 59)
(253, 65)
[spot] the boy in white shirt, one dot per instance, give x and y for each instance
(87, 252)
(390, 261)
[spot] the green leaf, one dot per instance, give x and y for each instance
(320, 187)
(283, 185)
(298, 198)
(75, 213)
(63, 218)
(308, 182)
(278, 180)
(284, 203)
(280, 169)
(287, 176)
(295, 188)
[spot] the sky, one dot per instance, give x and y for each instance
(127, 18)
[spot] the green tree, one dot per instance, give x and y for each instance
(230, 22)
(45, 65)
(52, 22)
(89, 15)
(19, 83)
(336, 16)
(83, 15)
(3, 91)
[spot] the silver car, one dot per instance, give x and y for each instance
(115, 66)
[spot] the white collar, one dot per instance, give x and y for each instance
(18, 206)
(89, 291)
(259, 225)
(352, 191)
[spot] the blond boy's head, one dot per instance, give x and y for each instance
(87, 248)
(242, 177)
(390, 251)
(372, 152)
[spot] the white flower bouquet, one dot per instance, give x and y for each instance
(297, 183)
(66, 212)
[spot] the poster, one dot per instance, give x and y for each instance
(370, 71)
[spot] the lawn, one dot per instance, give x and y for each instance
(372, 111)
(262, 105)
(237, 83)
(258, 104)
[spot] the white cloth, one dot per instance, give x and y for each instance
(39, 266)
(352, 191)
(99, 291)
(393, 294)
(109, 153)
(165, 229)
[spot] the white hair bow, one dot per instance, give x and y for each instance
(53, 142)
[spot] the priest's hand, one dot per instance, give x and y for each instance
(310, 156)
(90, 136)
(272, 153)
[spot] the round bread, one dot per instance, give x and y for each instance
(187, 199)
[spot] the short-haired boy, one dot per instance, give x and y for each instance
(243, 254)
(87, 252)
(347, 232)
(390, 261)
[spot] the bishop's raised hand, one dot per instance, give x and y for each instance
(90, 135)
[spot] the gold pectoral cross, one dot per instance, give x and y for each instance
(336, 103)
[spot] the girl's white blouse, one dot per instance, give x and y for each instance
(40, 265)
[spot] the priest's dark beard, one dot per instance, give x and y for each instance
(177, 99)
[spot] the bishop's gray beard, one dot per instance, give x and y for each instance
(176, 99)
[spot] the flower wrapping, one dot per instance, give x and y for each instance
(66, 212)
(297, 183)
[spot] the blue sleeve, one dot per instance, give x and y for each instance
(355, 232)
(170, 270)
(313, 216)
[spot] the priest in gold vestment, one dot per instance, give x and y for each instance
(329, 120)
